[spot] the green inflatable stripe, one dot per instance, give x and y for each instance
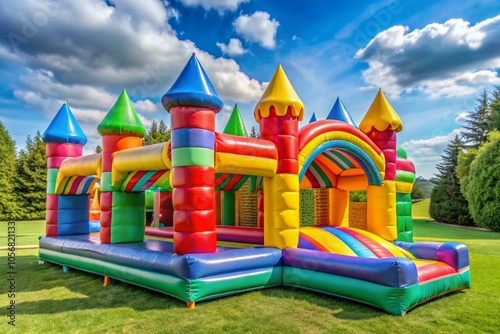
(404, 176)
(401, 153)
(75, 261)
(434, 289)
(170, 285)
(150, 199)
(128, 217)
(404, 217)
(229, 208)
(185, 290)
(392, 300)
(51, 180)
(192, 156)
(219, 286)
(106, 181)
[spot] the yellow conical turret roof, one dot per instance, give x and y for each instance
(381, 116)
(280, 94)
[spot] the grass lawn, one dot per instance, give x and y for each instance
(50, 301)
(27, 233)
(421, 209)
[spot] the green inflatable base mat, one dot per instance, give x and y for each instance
(395, 301)
(186, 290)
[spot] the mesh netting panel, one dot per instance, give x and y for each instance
(307, 207)
(322, 206)
(357, 215)
(246, 206)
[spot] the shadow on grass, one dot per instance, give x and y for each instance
(340, 308)
(78, 290)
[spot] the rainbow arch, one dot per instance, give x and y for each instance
(329, 149)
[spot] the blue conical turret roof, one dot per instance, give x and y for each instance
(340, 113)
(313, 118)
(64, 128)
(192, 88)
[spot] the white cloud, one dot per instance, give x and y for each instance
(146, 105)
(233, 48)
(448, 59)
(220, 5)
(429, 148)
(259, 28)
(463, 116)
(426, 153)
(87, 52)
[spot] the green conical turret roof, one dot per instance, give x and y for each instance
(122, 119)
(235, 125)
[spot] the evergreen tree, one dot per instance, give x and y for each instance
(254, 133)
(31, 179)
(150, 137)
(163, 132)
(494, 119)
(448, 205)
(8, 203)
(158, 133)
(476, 126)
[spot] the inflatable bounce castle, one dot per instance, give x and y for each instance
(198, 172)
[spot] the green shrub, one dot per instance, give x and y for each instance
(483, 184)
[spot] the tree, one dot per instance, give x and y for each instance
(494, 119)
(254, 133)
(476, 125)
(158, 133)
(98, 149)
(357, 196)
(448, 205)
(8, 203)
(483, 188)
(418, 192)
(31, 179)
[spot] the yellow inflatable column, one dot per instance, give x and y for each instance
(281, 210)
(278, 113)
(339, 207)
(381, 210)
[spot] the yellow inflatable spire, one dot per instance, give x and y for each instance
(381, 116)
(280, 94)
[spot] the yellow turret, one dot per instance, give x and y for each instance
(381, 116)
(281, 95)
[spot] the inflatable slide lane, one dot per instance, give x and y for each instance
(361, 266)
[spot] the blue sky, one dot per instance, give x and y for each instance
(431, 59)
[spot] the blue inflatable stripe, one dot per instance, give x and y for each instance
(355, 245)
(88, 182)
(185, 137)
(306, 244)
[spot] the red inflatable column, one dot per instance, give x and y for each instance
(386, 141)
(193, 180)
(193, 103)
